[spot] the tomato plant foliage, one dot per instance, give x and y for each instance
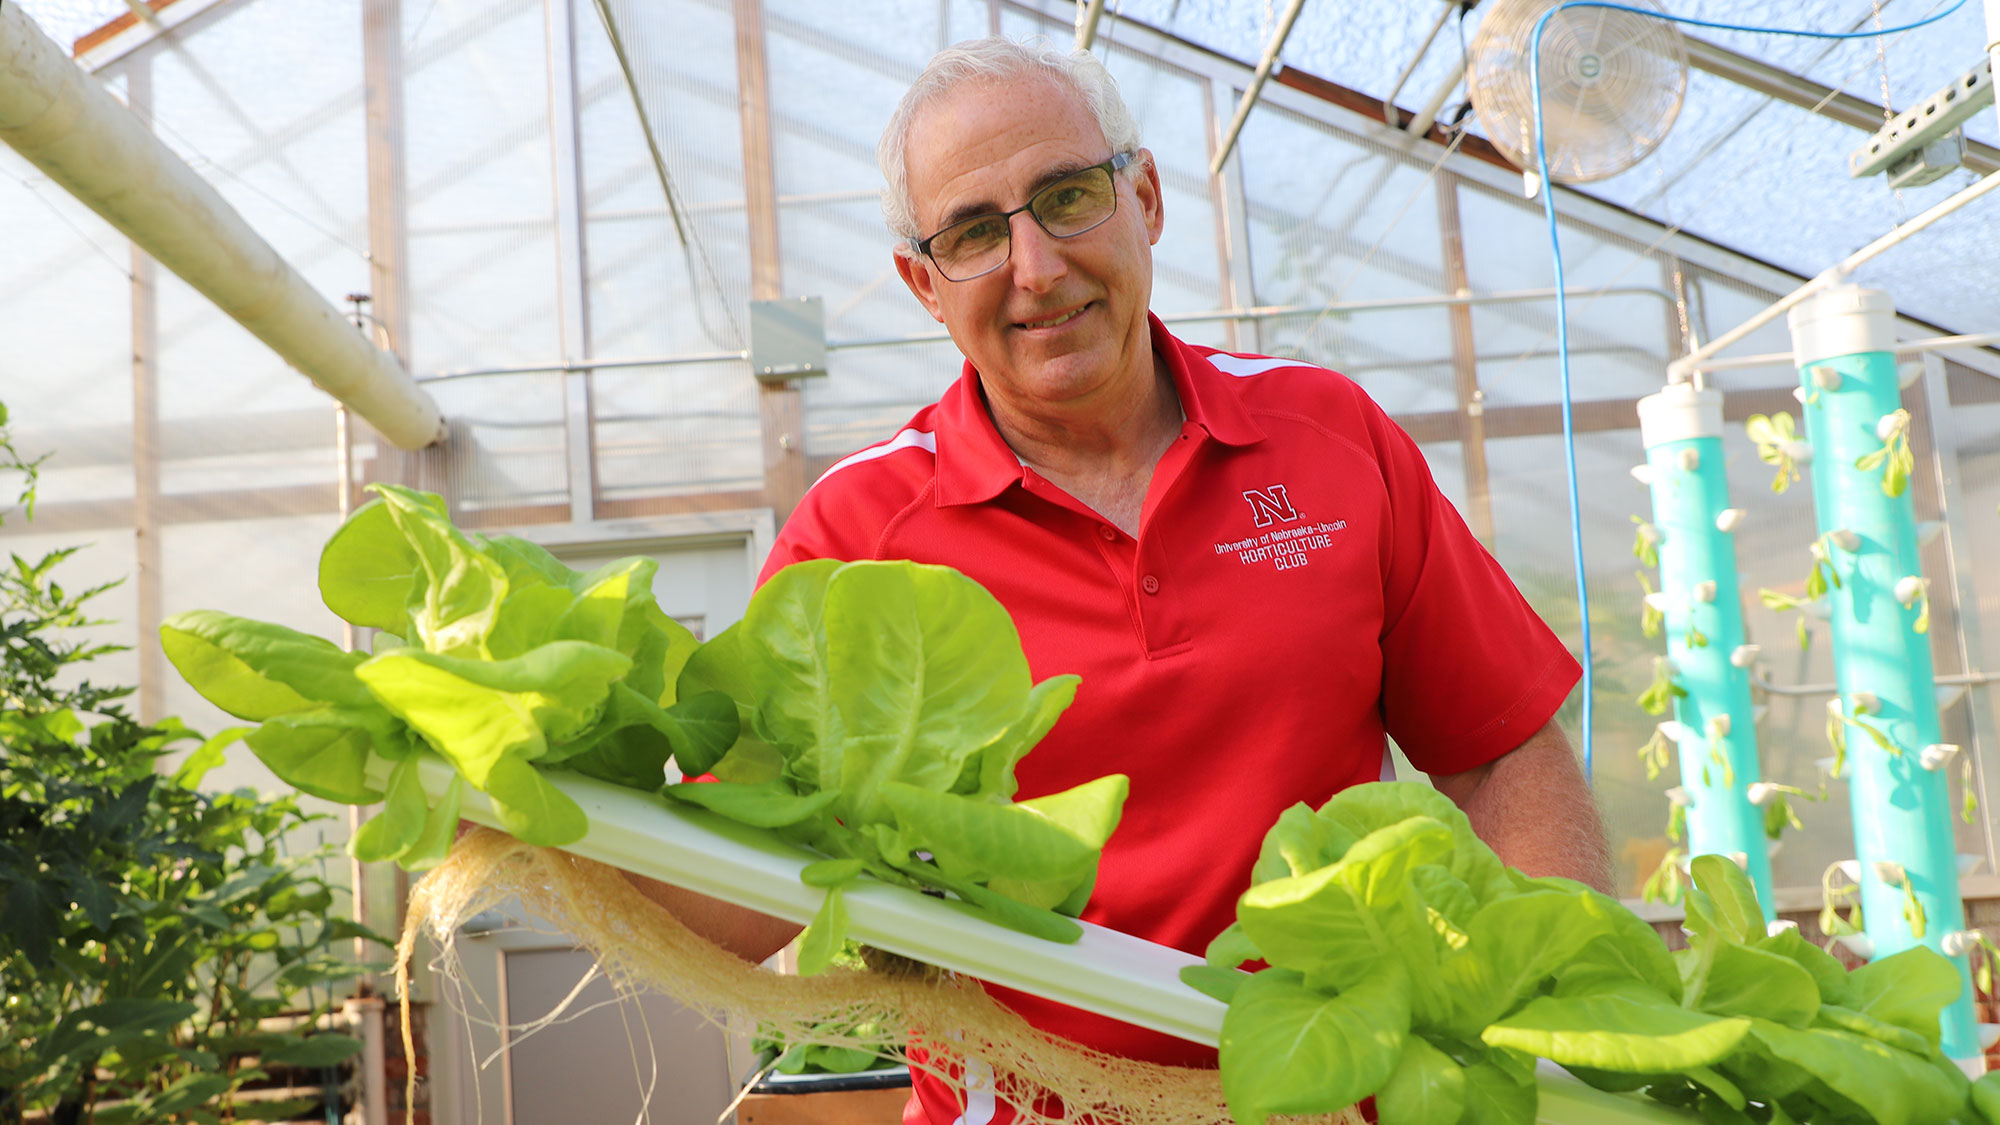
(161, 948)
(1407, 962)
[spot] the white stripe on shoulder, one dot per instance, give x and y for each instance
(1240, 366)
(904, 439)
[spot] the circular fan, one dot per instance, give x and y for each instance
(1612, 84)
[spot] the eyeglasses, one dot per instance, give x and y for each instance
(981, 244)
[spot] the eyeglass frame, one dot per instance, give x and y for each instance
(1119, 162)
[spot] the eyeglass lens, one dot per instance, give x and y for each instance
(1068, 207)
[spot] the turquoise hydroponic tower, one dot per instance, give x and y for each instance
(1843, 340)
(1714, 727)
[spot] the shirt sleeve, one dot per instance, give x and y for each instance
(1470, 671)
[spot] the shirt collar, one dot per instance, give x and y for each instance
(974, 464)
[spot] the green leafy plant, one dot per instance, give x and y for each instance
(1836, 736)
(491, 652)
(163, 951)
(1779, 813)
(1913, 591)
(1406, 962)
(1665, 884)
(1822, 577)
(1853, 716)
(1894, 460)
(1645, 542)
(1650, 618)
(1655, 754)
(873, 712)
(1718, 757)
(885, 707)
(1776, 437)
(1661, 693)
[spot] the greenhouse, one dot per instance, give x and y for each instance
(408, 409)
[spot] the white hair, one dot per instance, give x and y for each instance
(991, 59)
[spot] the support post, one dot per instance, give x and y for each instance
(780, 404)
(146, 529)
(388, 241)
(567, 169)
(1232, 229)
(1843, 341)
(1465, 364)
(1716, 741)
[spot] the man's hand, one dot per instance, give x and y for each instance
(1532, 806)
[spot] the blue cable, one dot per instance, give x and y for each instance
(1562, 303)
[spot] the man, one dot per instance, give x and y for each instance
(1246, 561)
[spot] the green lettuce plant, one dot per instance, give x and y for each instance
(873, 712)
(490, 652)
(1776, 437)
(1662, 691)
(1894, 460)
(1406, 962)
(885, 706)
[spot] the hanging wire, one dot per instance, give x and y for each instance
(29, 187)
(203, 160)
(691, 244)
(1562, 311)
(1888, 100)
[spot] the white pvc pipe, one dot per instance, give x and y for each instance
(1389, 99)
(1428, 115)
(1993, 42)
(1088, 13)
(1680, 369)
(1911, 347)
(65, 124)
(1264, 67)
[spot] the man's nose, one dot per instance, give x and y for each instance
(1037, 255)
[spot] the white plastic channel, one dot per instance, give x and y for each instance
(1107, 972)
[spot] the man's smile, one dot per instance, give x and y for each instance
(1056, 320)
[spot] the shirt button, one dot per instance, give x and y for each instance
(1109, 533)
(1150, 584)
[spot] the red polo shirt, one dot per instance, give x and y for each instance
(1299, 588)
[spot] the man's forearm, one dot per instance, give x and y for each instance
(1532, 806)
(744, 932)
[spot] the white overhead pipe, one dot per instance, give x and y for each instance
(1680, 369)
(65, 124)
(1910, 347)
(1264, 68)
(1420, 125)
(1389, 99)
(1088, 12)
(1993, 42)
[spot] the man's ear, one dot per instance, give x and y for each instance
(922, 280)
(1152, 201)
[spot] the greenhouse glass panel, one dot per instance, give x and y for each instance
(482, 249)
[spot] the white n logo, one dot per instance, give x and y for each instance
(1267, 504)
